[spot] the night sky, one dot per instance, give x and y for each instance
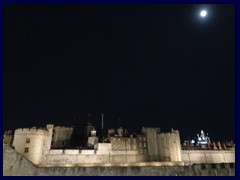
(147, 65)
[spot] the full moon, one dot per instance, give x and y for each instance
(203, 13)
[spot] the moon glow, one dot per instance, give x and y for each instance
(203, 13)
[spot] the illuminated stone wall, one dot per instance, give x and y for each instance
(122, 143)
(169, 147)
(14, 164)
(103, 155)
(208, 156)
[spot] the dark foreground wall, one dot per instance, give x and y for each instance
(15, 164)
(195, 170)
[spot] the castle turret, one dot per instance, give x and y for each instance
(169, 146)
(93, 140)
(151, 135)
(61, 136)
(31, 143)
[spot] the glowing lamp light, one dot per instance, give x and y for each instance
(203, 13)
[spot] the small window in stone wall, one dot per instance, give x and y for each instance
(27, 140)
(213, 166)
(26, 150)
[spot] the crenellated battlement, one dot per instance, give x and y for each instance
(32, 131)
(164, 134)
(172, 132)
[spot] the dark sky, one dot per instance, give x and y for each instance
(149, 65)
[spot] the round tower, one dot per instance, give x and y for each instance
(30, 142)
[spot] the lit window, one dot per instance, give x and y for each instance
(144, 144)
(27, 140)
(26, 150)
(144, 139)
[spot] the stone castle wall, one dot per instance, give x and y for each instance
(208, 156)
(104, 154)
(83, 159)
(195, 170)
(95, 156)
(61, 136)
(14, 164)
(151, 135)
(169, 147)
